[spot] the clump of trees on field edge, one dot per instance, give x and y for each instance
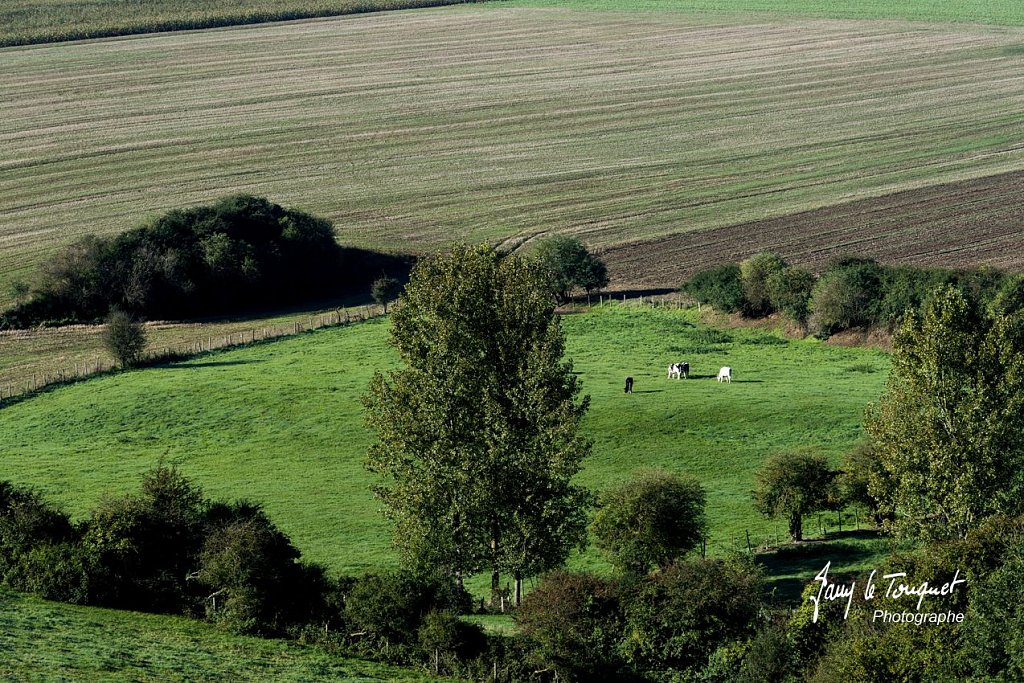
(851, 293)
(241, 253)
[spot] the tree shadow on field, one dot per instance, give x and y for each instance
(792, 567)
(648, 391)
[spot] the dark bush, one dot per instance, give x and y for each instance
(445, 641)
(388, 608)
(39, 551)
(251, 577)
(677, 617)
(789, 291)
(125, 338)
(720, 287)
(574, 622)
(144, 546)
(240, 253)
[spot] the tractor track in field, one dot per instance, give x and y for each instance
(977, 222)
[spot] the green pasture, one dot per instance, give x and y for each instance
(47, 641)
(499, 123)
(281, 423)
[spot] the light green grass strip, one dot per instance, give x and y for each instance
(45, 641)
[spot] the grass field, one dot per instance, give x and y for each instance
(491, 122)
(256, 422)
(46, 641)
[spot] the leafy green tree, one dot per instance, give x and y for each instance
(651, 520)
(755, 272)
(789, 290)
(847, 295)
(385, 290)
(570, 265)
(125, 338)
(478, 432)
(720, 287)
(793, 484)
(948, 430)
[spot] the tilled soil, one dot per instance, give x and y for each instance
(972, 223)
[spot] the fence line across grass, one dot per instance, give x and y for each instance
(188, 349)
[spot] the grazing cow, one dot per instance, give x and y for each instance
(679, 370)
(725, 374)
(629, 385)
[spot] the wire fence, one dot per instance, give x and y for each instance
(205, 343)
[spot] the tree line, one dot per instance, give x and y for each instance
(853, 292)
(241, 253)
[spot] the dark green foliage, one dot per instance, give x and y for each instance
(38, 547)
(789, 291)
(570, 266)
(445, 641)
(676, 618)
(388, 608)
(385, 290)
(770, 658)
(125, 338)
(240, 253)
(720, 287)
(947, 431)
(651, 520)
(755, 274)
(994, 624)
(1009, 299)
(575, 624)
(144, 546)
(793, 484)
(846, 296)
(253, 581)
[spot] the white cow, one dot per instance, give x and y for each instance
(725, 374)
(674, 371)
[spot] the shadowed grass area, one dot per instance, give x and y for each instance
(281, 423)
(47, 641)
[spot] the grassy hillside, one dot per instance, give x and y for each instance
(1002, 12)
(282, 423)
(46, 641)
(487, 123)
(40, 21)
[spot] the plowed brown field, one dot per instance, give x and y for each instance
(972, 223)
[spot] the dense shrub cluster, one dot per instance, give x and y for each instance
(851, 293)
(240, 253)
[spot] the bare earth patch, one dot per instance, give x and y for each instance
(973, 223)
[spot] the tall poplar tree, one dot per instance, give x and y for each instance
(478, 431)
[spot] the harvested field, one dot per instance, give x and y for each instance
(973, 223)
(490, 122)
